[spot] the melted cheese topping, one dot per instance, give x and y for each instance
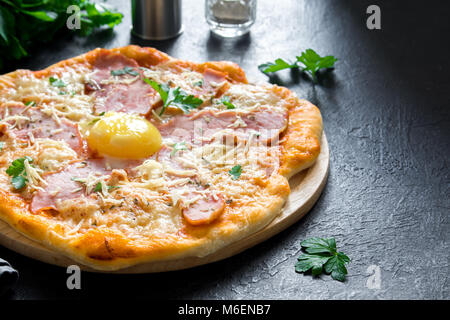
(148, 198)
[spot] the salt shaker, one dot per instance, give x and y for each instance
(156, 19)
(230, 18)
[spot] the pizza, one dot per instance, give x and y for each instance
(126, 156)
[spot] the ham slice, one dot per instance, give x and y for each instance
(41, 125)
(204, 211)
(60, 185)
(214, 83)
(127, 94)
(266, 125)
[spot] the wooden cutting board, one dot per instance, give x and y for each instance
(306, 188)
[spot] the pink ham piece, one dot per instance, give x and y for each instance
(204, 211)
(136, 97)
(165, 157)
(214, 83)
(43, 126)
(201, 126)
(60, 185)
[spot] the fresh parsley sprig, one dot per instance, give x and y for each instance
(309, 62)
(18, 173)
(174, 97)
(321, 255)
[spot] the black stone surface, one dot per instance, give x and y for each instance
(387, 119)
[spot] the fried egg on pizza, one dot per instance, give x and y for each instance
(126, 156)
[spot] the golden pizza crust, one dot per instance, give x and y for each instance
(106, 249)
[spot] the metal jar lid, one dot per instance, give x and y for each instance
(156, 19)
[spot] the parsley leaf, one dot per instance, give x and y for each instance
(313, 62)
(56, 82)
(336, 266)
(321, 255)
(186, 102)
(314, 262)
(125, 70)
(98, 187)
(177, 147)
(278, 65)
(308, 61)
(225, 100)
(95, 120)
(17, 171)
(19, 182)
(18, 166)
(319, 245)
(235, 172)
(174, 97)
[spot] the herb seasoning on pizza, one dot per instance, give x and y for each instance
(124, 156)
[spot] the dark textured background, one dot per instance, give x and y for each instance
(386, 115)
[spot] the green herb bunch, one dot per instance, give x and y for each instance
(26, 23)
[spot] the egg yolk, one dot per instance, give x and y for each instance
(124, 135)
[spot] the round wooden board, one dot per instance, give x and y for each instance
(306, 188)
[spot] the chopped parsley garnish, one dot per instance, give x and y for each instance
(198, 83)
(18, 173)
(1, 145)
(30, 104)
(125, 70)
(235, 172)
(56, 82)
(225, 100)
(98, 187)
(309, 61)
(95, 120)
(321, 255)
(174, 97)
(177, 147)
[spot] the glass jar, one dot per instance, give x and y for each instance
(230, 18)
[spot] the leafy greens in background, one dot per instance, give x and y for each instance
(309, 61)
(26, 23)
(321, 255)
